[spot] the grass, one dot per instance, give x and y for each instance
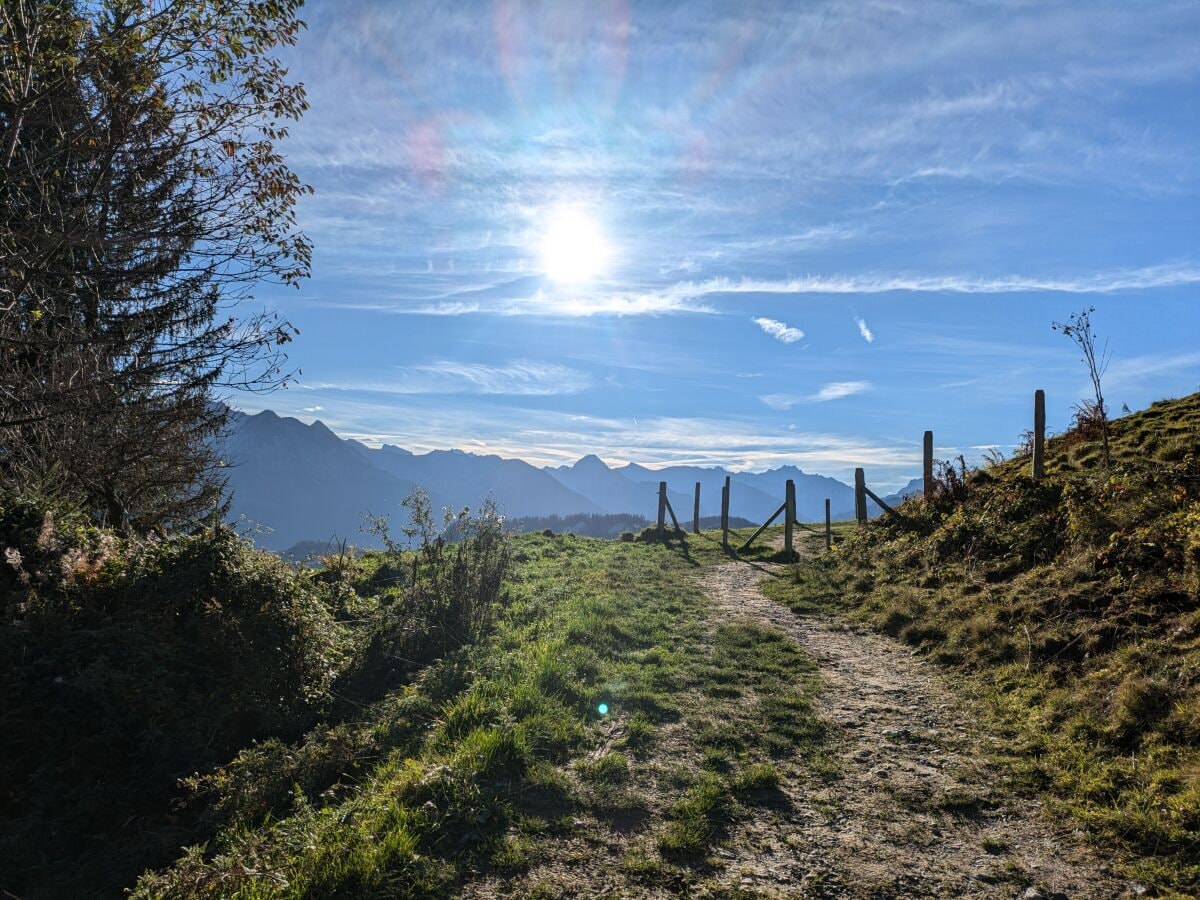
(1072, 608)
(696, 818)
(589, 714)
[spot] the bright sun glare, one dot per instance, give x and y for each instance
(573, 247)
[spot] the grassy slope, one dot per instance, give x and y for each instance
(498, 757)
(1073, 606)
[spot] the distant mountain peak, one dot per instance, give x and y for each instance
(392, 448)
(634, 467)
(591, 461)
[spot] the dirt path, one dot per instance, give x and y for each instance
(914, 809)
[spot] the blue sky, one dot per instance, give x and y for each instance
(829, 226)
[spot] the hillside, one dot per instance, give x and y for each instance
(488, 717)
(1072, 606)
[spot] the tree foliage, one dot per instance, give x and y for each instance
(143, 197)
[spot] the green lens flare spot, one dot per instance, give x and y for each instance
(602, 709)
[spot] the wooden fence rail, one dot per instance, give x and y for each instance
(787, 509)
(664, 507)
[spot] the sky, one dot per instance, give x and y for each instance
(739, 233)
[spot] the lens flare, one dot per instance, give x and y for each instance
(602, 709)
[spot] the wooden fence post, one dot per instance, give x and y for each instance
(662, 506)
(860, 496)
(725, 514)
(789, 516)
(828, 527)
(696, 512)
(1039, 433)
(927, 468)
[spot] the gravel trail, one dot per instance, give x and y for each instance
(915, 809)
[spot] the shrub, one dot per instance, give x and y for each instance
(122, 678)
(440, 595)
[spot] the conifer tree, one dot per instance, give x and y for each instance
(143, 198)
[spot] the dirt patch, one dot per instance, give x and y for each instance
(910, 807)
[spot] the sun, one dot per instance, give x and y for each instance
(573, 247)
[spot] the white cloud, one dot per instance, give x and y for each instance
(780, 401)
(781, 331)
(543, 436)
(1147, 278)
(517, 378)
(868, 336)
(574, 305)
(688, 264)
(553, 303)
(836, 390)
(689, 296)
(313, 409)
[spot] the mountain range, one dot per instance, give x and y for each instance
(299, 482)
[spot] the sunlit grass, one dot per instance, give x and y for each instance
(599, 638)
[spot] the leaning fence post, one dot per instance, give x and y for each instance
(828, 527)
(662, 506)
(860, 496)
(725, 514)
(696, 512)
(789, 516)
(927, 468)
(1039, 433)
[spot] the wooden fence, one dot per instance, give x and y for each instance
(1037, 465)
(787, 509)
(861, 492)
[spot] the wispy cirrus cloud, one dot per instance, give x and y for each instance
(835, 390)
(517, 299)
(520, 378)
(781, 331)
(514, 298)
(1137, 369)
(1147, 278)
